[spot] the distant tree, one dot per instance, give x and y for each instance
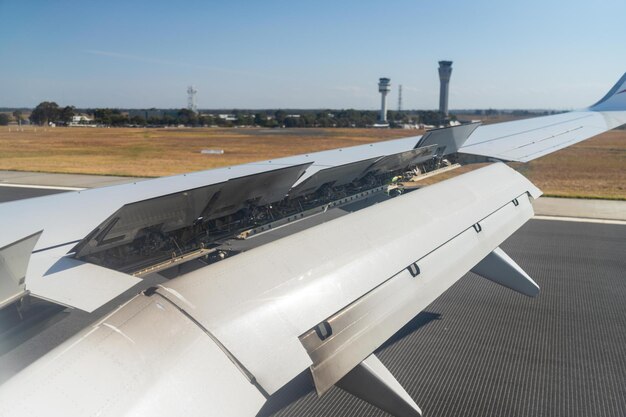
(187, 117)
(221, 122)
(309, 119)
(322, 119)
(154, 120)
(17, 115)
(294, 122)
(66, 114)
(4, 119)
(369, 118)
(102, 116)
(45, 112)
(280, 116)
(119, 119)
(272, 123)
(245, 119)
(430, 117)
(205, 120)
(110, 117)
(138, 120)
(169, 120)
(260, 119)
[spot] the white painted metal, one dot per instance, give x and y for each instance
(145, 359)
(402, 160)
(173, 211)
(68, 218)
(338, 175)
(13, 265)
(501, 269)
(364, 325)
(237, 323)
(68, 281)
(525, 140)
(449, 138)
(336, 157)
(371, 381)
(271, 295)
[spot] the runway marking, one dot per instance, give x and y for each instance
(42, 187)
(580, 220)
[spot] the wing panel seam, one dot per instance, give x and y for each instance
(241, 367)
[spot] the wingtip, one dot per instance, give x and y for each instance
(615, 99)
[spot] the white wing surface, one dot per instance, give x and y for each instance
(221, 339)
(525, 140)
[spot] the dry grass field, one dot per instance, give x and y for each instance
(592, 169)
(595, 168)
(158, 152)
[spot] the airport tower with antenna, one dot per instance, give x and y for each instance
(445, 70)
(191, 99)
(384, 87)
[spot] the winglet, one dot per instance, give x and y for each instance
(615, 99)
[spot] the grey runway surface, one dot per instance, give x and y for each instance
(19, 193)
(482, 350)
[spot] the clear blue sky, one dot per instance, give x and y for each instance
(316, 54)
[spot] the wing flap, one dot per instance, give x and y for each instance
(260, 302)
(361, 327)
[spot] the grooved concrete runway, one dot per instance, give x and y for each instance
(482, 350)
(14, 193)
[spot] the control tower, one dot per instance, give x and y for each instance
(384, 87)
(445, 70)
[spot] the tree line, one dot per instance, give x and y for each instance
(50, 112)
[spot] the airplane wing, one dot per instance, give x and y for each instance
(224, 336)
(525, 140)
